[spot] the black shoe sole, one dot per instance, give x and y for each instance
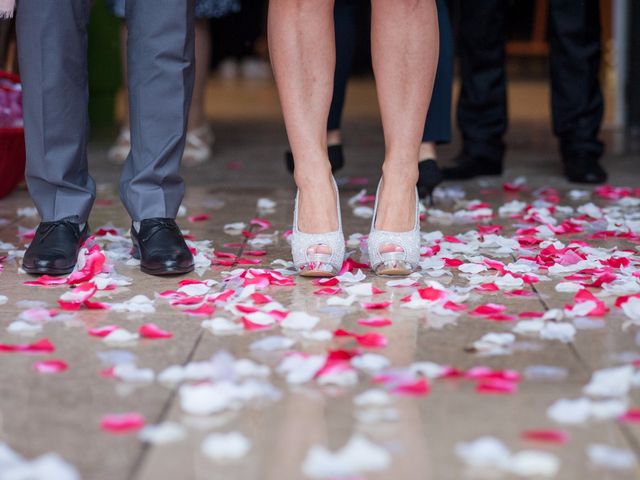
(167, 272)
(585, 181)
(53, 272)
(160, 272)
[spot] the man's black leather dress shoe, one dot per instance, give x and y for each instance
(470, 167)
(584, 169)
(160, 247)
(54, 248)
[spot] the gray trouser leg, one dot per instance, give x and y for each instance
(52, 47)
(161, 75)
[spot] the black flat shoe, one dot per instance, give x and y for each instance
(584, 169)
(160, 247)
(54, 249)
(470, 167)
(336, 157)
(430, 176)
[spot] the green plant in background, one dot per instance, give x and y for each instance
(104, 66)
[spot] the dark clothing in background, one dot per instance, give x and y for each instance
(577, 104)
(438, 122)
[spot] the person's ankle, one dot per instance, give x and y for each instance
(400, 173)
(311, 176)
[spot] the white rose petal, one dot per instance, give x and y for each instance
(222, 447)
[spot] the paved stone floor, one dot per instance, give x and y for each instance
(481, 366)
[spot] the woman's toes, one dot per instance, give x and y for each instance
(319, 249)
(391, 248)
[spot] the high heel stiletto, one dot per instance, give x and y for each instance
(399, 263)
(336, 158)
(430, 177)
(313, 264)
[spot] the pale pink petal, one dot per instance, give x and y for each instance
(102, 331)
(375, 322)
(50, 366)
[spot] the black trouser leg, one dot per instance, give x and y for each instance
(482, 106)
(576, 99)
(346, 15)
(437, 127)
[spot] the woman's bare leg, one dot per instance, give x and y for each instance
(302, 46)
(405, 54)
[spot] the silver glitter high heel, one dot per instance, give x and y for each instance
(403, 262)
(318, 264)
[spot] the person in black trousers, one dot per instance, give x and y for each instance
(576, 99)
(437, 129)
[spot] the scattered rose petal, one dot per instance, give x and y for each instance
(50, 366)
(224, 447)
(122, 423)
(152, 331)
(546, 436)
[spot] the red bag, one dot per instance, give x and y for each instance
(12, 152)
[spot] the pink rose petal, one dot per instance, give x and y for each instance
(74, 299)
(50, 366)
(102, 331)
(496, 386)
(488, 309)
(261, 223)
(375, 322)
(94, 262)
(204, 309)
(369, 339)
(456, 307)
(501, 317)
(122, 423)
(47, 281)
(631, 416)
(41, 346)
(248, 261)
(416, 388)
(255, 253)
(153, 332)
(376, 305)
(431, 294)
(326, 282)
(202, 217)
(327, 291)
(546, 436)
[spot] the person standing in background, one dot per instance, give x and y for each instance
(437, 128)
(242, 40)
(200, 136)
(577, 104)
